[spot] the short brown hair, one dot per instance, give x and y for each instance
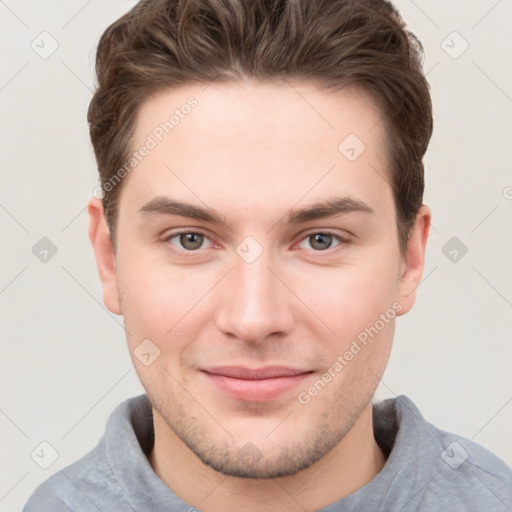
(163, 44)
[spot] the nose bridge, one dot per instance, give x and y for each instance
(254, 282)
(254, 304)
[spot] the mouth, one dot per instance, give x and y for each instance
(257, 384)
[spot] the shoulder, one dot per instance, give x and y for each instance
(95, 482)
(82, 486)
(463, 475)
(472, 475)
(46, 499)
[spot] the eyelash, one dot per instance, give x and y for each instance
(335, 236)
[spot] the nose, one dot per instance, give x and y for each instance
(254, 303)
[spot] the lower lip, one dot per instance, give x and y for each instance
(261, 390)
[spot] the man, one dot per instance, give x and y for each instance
(261, 228)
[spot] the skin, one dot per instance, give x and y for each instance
(252, 152)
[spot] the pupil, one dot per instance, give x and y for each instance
(322, 241)
(191, 240)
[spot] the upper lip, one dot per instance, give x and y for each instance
(267, 372)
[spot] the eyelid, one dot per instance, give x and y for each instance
(181, 231)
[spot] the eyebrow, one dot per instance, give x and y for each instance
(162, 205)
(327, 208)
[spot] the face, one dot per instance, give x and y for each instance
(259, 259)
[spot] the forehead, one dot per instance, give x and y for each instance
(252, 112)
(256, 143)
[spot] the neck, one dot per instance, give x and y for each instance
(350, 465)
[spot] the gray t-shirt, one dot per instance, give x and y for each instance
(426, 470)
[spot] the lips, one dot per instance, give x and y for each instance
(255, 384)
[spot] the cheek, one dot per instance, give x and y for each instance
(362, 315)
(159, 300)
(147, 298)
(353, 296)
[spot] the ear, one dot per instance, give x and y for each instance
(413, 263)
(99, 234)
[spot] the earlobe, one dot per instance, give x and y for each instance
(100, 238)
(414, 260)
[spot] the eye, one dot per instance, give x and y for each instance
(188, 240)
(323, 240)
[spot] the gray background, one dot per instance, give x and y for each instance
(64, 364)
